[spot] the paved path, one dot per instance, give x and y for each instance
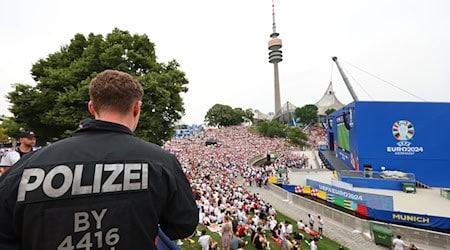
(335, 231)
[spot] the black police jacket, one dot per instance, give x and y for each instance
(103, 188)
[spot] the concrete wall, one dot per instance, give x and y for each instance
(425, 239)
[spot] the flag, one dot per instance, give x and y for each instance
(163, 242)
(330, 198)
(322, 195)
(314, 192)
(307, 189)
(361, 209)
(338, 201)
(298, 189)
(349, 204)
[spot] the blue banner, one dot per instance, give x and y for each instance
(289, 188)
(377, 201)
(411, 219)
(436, 222)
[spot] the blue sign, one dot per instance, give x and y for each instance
(411, 219)
(403, 136)
(384, 202)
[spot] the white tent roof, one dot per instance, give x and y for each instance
(258, 115)
(328, 101)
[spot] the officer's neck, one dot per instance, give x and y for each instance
(125, 120)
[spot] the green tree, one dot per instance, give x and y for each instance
(275, 128)
(271, 128)
(3, 135)
(54, 107)
(9, 128)
(249, 115)
(297, 136)
(307, 113)
(329, 111)
(224, 115)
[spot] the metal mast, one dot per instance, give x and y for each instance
(344, 77)
(275, 56)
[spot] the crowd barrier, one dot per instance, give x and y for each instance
(422, 237)
(383, 202)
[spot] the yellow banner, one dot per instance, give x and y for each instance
(322, 195)
(307, 189)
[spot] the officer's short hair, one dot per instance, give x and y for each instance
(114, 90)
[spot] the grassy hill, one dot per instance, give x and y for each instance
(324, 243)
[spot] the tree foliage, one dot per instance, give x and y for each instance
(329, 111)
(297, 136)
(307, 113)
(249, 115)
(54, 107)
(271, 128)
(276, 129)
(3, 135)
(224, 115)
(9, 129)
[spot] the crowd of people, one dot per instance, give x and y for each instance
(316, 135)
(219, 175)
(219, 164)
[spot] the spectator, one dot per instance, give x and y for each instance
(413, 247)
(205, 240)
(27, 141)
(301, 225)
(320, 223)
(398, 243)
(289, 228)
(227, 233)
(314, 243)
(235, 242)
(311, 221)
(259, 239)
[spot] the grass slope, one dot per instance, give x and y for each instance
(324, 243)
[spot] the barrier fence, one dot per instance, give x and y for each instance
(423, 237)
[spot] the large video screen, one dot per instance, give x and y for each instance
(343, 137)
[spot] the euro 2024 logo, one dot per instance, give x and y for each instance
(403, 131)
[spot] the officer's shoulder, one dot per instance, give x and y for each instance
(149, 146)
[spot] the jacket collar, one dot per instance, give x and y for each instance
(98, 125)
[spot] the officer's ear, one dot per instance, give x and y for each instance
(137, 108)
(91, 108)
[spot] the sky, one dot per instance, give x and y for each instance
(222, 46)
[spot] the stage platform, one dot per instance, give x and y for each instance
(333, 162)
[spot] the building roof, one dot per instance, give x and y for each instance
(328, 101)
(258, 115)
(286, 113)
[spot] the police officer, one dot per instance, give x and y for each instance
(27, 140)
(103, 188)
